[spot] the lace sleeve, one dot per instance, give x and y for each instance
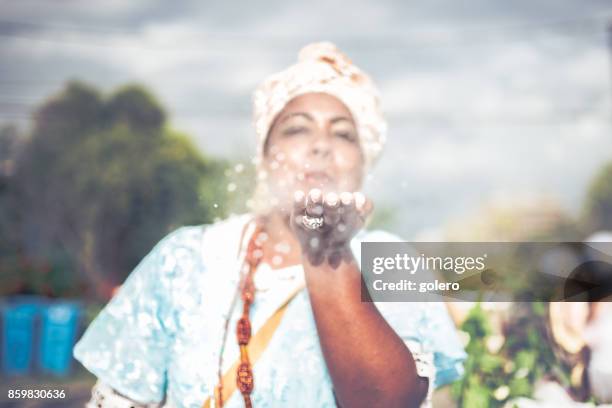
(425, 367)
(103, 396)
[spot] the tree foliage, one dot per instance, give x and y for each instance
(598, 205)
(99, 182)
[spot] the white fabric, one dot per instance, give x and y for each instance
(160, 336)
(598, 336)
(425, 368)
(103, 396)
(271, 281)
(550, 395)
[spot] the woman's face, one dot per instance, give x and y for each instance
(313, 143)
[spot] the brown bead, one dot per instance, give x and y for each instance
(248, 285)
(254, 256)
(247, 298)
(244, 379)
(244, 375)
(243, 330)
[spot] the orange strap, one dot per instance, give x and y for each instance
(257, 345)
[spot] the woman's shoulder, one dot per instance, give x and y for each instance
(191, 257)
(201, 236)
(189, 251)
(227, 229)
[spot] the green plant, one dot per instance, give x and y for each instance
(526, 356)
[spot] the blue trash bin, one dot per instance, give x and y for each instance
(59, 323)
(19, 317)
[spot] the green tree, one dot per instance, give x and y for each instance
(101, 180)
(598, 205)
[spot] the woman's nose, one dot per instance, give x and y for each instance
(321, 146)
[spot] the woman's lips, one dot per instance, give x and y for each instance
(319, 178)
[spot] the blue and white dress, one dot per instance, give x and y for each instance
(158, 339)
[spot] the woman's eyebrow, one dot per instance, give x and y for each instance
(341, 118)
(303, 114)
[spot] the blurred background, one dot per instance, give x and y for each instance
(121, 121)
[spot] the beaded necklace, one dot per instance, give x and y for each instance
(244, 374)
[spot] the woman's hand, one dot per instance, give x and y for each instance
(343, 215)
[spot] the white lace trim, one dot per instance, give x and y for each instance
(425, 368)
(104, 396)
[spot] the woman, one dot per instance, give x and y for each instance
(265, 309)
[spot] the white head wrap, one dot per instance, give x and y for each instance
(321, 67)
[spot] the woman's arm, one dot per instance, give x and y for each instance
(369, 363)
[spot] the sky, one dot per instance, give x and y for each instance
(485, 99)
